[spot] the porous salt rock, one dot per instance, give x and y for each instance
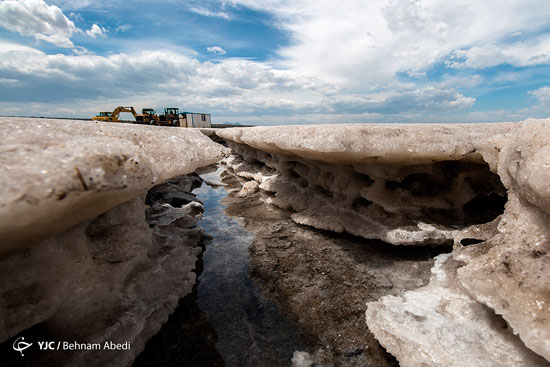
(510, 271)
(399, 204)
(248, 189)
(441, 325)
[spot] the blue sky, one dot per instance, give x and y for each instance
(279, 61)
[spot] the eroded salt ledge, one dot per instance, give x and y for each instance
(400, 204)
(58, 173)
(483, 187)
(83, 258)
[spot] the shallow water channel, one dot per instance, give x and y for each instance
(226, 320)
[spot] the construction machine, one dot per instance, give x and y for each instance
(103, 116)
(147, 116)
(113, 116)
(171, 117)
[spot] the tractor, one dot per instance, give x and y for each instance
(147, 116)
(171, 117)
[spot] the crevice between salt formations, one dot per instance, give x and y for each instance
(482, 187)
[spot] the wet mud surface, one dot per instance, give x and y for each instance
(322, 280)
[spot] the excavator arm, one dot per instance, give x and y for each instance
(120, 109)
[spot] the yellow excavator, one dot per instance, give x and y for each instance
(113, 116)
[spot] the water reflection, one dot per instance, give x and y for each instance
(225, 320)
(250, 330)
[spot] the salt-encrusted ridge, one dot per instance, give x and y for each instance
(378, 143)
(506, 249)
(56, 173)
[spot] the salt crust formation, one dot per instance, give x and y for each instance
(431, 325)
(55, 174)
(510, 271)
(483, 187)
(83, 257)
(341, 178)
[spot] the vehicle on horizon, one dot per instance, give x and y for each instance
(147, 116)
(171, 117)
(113, 116)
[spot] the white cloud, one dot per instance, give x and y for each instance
(539, 110)
(216, 50)
(97, 31)
(367, 42)
(234, 87)
(521, 53)
(346, 61)
(76, 16)
(6, 81)
(37, 19)
(123, 28)
(469, 81)
(7, 47)
(543, 96)
(429, 99)
(75, 4)
(79, 76)
(209, 13)
(79, 50)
